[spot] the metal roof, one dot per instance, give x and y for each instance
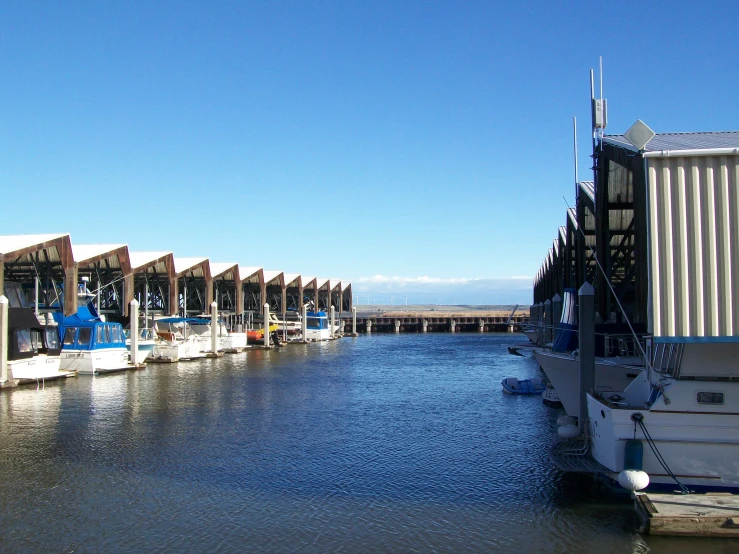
(141, 260)
(23, 244)
(195, 265)
(293, 279)
(345, 287)
(251, 274)
(572, 214)
(270, 276)
(93, 252)
(588, 187)
(681, 141)
(222, 269)
(563, 234)
(320, 283)
(308, 281)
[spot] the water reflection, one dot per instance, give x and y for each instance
(385, 443)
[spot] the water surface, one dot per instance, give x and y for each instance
(387, 443)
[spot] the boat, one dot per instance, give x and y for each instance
(33, 345)
(617, 362)
(145, 344)
(550, 397)
(257, 335)
(317, 326)
(534, 385)
(91, 345)
(682, 416)
(174, 341)
(531, 333)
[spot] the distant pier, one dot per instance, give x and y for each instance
(437, 322)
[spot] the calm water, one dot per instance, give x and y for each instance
(385, 443)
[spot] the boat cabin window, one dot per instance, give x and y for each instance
(100, 334)
(69, 334)
(23, 338)
(117, 334)
(84, 337)
(313, 322)
(710, 398)
(52, 339)
(37, 340)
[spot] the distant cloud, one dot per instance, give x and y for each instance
(454, 290)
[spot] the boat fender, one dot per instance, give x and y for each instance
(633, 479)
(568, 431)
(565, 420)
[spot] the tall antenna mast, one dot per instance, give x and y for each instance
(574, 142)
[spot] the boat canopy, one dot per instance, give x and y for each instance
(85, 330)
(28, 337)
(316, 320)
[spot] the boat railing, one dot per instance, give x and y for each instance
(623, 345)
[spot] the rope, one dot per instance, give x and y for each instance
(639, 419)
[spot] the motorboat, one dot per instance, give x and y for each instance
(145, 344)
(175, 341)
(317, 326)
(33, 346)
(512, 385)
(683, 415)
(90, 344)
(617, 360)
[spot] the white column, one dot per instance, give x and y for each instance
(369, 326)
(424, 326)
(3, 339)
(482, 325)
(397, 326)
(304, 322)
(266, 325)
(354, 320)
(453, 326)
(333, 315)
(214, 327)
(134, 313)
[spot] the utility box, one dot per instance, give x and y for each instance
(600, 113)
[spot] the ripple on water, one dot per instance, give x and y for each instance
(382, 443)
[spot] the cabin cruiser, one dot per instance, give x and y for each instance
(317, 327)
(683, 419)
(90, 344)
(33, 346)
(175, 340)
(617, 360)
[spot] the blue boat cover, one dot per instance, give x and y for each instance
(565, 339)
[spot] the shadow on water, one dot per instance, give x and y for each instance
(382, 443)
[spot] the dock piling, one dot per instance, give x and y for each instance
(354, 321)
(548, 321)
(333, 318)
(397, 326)
(3, 339)
(424, 326)
(556, 314)
(304, 323)
(266, 325)
(369, 326)
(586, 346)
(134, 312)
(214, 327)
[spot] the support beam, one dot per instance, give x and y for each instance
(174, 295)
(586, 325)
(70, 290)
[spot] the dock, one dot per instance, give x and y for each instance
(431, 321)
(689, 515)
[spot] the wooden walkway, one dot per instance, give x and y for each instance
(689, 515)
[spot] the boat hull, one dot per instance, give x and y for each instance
(99, 360)
(186, 350)
(563, 372)
(39, 367)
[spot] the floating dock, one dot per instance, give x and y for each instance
(689, 515)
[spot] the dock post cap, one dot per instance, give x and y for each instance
(548, 302)
(354, 308)
(586, 290)
(214, 304)
(133, 303)
(556, 298)
(3, 299)
(266, 305)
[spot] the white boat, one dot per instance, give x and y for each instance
(531, 333)
(563, 371)
(91, 345)
(688, 412)
(146, 344)
(318, 327)
(175, 341)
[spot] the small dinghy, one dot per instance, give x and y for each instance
(511, 385)
(551, 398)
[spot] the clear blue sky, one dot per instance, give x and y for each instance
(402, 139)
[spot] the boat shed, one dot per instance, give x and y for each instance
(347, 300)
(194, 285)
(329, 294)
(23, 258)
(293, 291)
(106, 266)
(274, 290)
(153, 282)
(227, 288)
(687, 243)
(252, 284)
(310, 291)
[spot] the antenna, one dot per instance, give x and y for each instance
(574, 141)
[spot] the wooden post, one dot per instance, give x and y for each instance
(587, 348)
(304, 322)
(214, 327)
(134, 313)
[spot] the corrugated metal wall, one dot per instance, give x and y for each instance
(694, 240)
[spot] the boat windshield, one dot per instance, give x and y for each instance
(23, 339)
(69, 335)
(52, 339)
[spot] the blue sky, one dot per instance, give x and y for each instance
(405, 146)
